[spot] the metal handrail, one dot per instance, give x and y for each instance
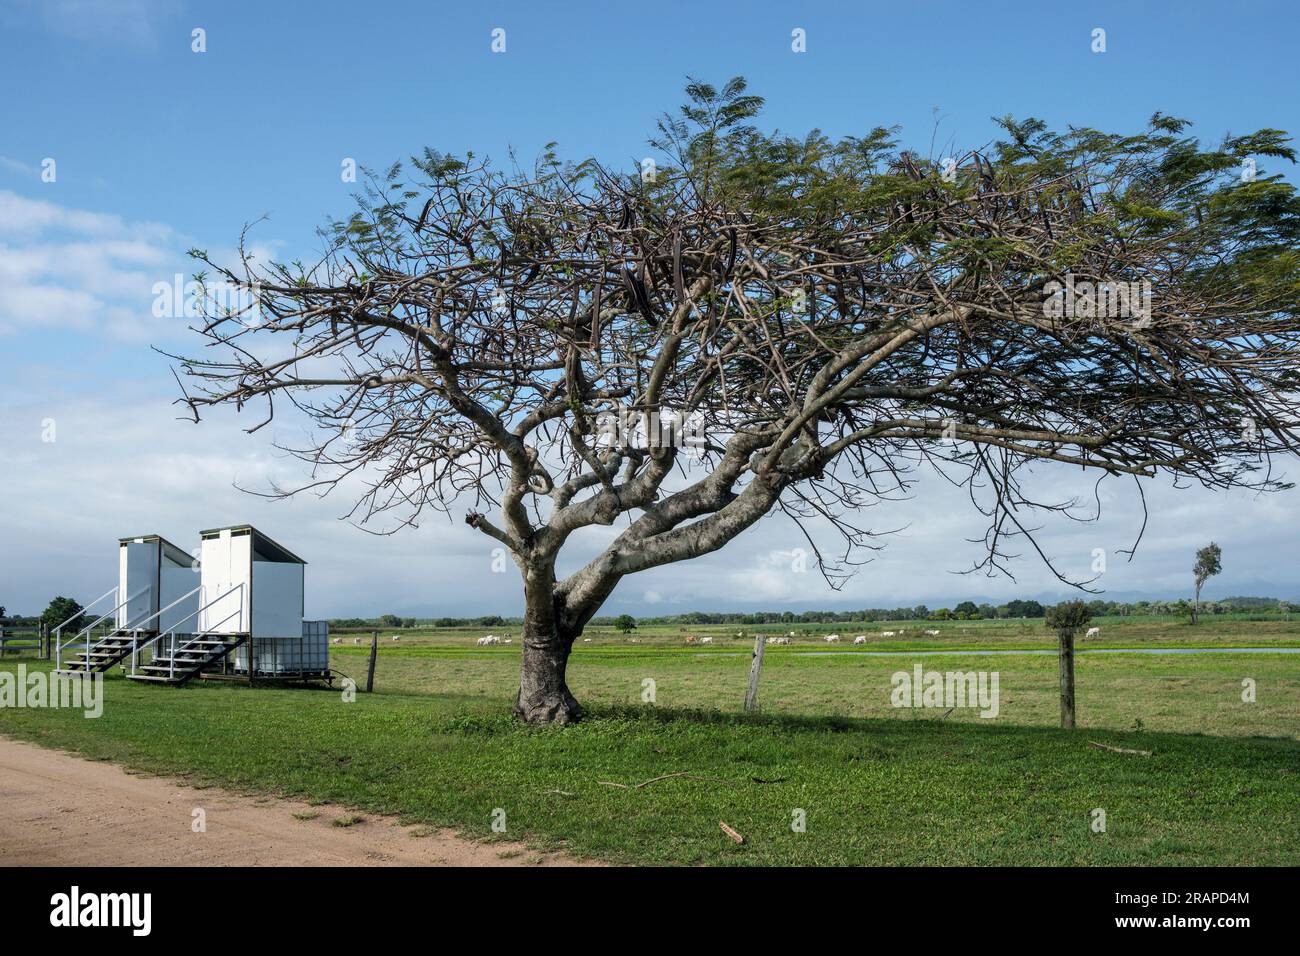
(85, 631)
(58, 631)
(136, 649)
(140, 625)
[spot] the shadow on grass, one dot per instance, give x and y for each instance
(497, 720)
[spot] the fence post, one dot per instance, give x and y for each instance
(755, 669)
(374, 650)
(1067, 678)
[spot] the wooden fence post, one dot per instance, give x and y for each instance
(755, 669)
(1067, 678)
(374, 650)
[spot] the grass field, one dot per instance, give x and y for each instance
(877, 784)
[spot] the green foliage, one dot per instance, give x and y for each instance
(1209, 562)
(61, 609)
(625, 623)
(1068, 617)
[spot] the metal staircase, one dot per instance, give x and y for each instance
(97, 653)
(102, 654)
(185, 659)
(173, 657)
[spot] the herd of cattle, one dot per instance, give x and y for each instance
(490, 640)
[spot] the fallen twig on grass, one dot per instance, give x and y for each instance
(563, 793)
(1118, 750)
(680, 773)
(730, 832)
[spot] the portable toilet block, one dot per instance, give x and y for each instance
(254, 586)
(152, 574)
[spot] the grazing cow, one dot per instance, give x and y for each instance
(586, 640)
(1093, 632)
(831, 638)
(706, 640)
(690, 639)
(770, 640)
(783, 640)
(886, 633)
(933, 632)
(860, 639)
(506, 641)
(336, 640)
(396, 638)
(488, 640)
(356, 640)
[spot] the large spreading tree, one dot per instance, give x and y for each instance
(749, 322)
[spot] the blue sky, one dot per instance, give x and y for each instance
(158, 149)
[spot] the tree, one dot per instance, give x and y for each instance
(390, 620)
(1208, 564)
(625, 623)
(64, 609)
(763, 324)
(1066, 618)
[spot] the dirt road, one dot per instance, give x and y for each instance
(61, 810)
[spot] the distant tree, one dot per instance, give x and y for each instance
(1066, 618)
(1024, 609)
(1208, 563)
(390, 620)
(968, 609)
(60, 610)
(625, 623)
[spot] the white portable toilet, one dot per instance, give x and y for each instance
(153, 573)
(255, 587)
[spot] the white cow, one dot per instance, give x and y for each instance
(860, 639)
(770, 640)
(356, 640)
(586, 640)
(886, 633)
(396, 638)
(336, 640)
(831, 638)
(1093, 632)
(783, 640)
(489, 640)
(706, 640)
(933, 632)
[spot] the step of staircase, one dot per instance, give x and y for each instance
(187, 661)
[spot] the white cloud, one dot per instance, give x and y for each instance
(88, 271)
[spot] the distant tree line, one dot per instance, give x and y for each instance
(964, 611)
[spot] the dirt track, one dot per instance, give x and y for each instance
(61, 810)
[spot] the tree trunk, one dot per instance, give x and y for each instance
(544, 697)
(1196, 603)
